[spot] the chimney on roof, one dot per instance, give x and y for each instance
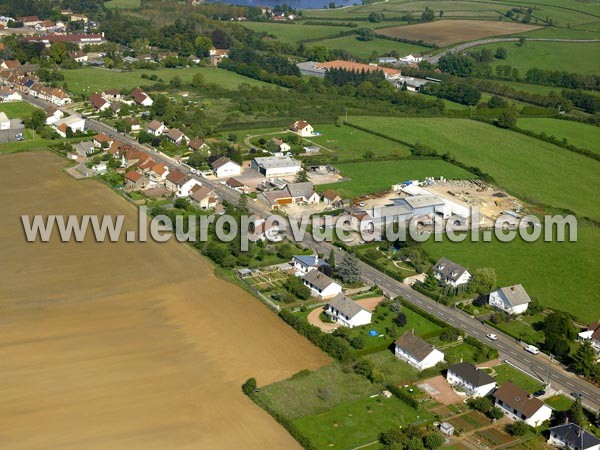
(512, 288)
(530, 396)
(316, 259)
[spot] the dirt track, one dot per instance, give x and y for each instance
(128, 345)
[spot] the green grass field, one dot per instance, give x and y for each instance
(294, 32)
(17, 110)
(559, 402)
(527, 167)
(88, 80)
(575, 264)
(359, 422)
(378, 176)
(576, 133)
(507, 373)
(550, 56)
(349, 143)
(123, 4)
(364, 49)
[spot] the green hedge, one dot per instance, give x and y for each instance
(404, 396)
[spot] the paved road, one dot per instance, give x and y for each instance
(459, 48)
(536, 365)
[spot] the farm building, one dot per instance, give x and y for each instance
(521, 405)
(273, 166)
(512, 299)
(346, 312)
(417, 352)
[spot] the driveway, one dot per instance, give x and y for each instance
(314, 319)
(440, 390)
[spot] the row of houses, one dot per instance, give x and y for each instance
(81, 40)
(15, 77)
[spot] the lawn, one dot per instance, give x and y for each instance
(294, 32)
(579, 134)
(358, 422)
(349, 143)
(574, 263)
(364, 49)
(89, 80)
(507, 373)
(377, 176)
(17, 110)
(123, 4)
(559, 402)
(521, 330)
(316, 392)
(550, 56)
(527, 167)
(396, 372)
(383, 323)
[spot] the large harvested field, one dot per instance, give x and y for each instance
(448, 32)
(377, 176)
(89, 80)
(126, 345)
(528, 168)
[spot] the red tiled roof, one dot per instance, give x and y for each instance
(132, 175)
(357, 67)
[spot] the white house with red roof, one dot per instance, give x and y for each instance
(302, 128)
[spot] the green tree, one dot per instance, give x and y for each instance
(376, 17)
(483, 281)
(433, 441)
(522, 40)
(348, 269)
(301, 177)
(365, 34)
(198, 80)
(36, 120)
(501, 53)
(575, 413)
(249, 386)
(428, 15)
(369, 154)
(331, 259)
(517, 428)
(584, 360)
(508, 119)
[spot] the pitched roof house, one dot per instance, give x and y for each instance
(204, 197)
(511, 299)
(197, 144)
(475, 382)
(175, 179)
(573, 437)
(140, 97)
(521, 405)
(224, 167)
(592, 333)
(389, 73)
(451, 273)
(321, 285)
(293, 193)
(135, 180)
(416, 352)
(237, 185)
(98, 102)
(303, 264)
(330, 197)
(176, 136)
(347, 312)
(156, 128)
(302, 128)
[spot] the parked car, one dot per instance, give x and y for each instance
(539, 393)
(491, 336)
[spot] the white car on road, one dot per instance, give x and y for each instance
(491, 336)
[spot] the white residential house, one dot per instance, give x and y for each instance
(53, 114)
(592, 334)
(156, 128)
(521, 405)
(411, 59)
(224, 167)
(303, 264)
(512, 299)
(282, 146)
(302, 128)
(416, 352)
(75, 122)
(175, 180)
(347, 312)
(265, 231)
(177, 137)
(186, 189)
(204, 197)
(572, 437)
(321, 285)
(10, 95)
(4, 122)
(451, 273)
(475, 382)
(158, 173)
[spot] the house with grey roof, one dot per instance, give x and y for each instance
(473, 381)
(511, 299)
(573, 437)
(303, 264)
(321, 285)
(417, 352)
(347, 312)
(84, 148)
(450, 273)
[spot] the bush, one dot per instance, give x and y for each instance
(449, 335)
(249, 386)
(517, 428)
(404, 396)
